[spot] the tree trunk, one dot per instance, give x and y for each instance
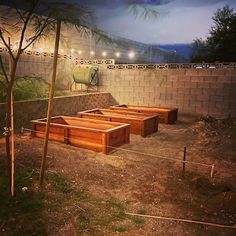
(12, 147)
(7, 140)
(8, 121)
(50, 104)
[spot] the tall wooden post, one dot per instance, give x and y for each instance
(12, 175)
(50, 103)
(12, 147)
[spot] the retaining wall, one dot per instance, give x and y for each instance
(28, 110)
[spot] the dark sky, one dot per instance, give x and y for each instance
(179, 21)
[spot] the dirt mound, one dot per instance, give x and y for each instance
(216, 136)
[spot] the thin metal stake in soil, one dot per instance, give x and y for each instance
(184, 162)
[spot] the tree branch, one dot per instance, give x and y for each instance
(46, 23)
(25, 27)
(17, 10)
(6, 45)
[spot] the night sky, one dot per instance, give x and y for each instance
(180, 21)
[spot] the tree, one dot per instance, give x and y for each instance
(27, 21)
(220, 45)
(17, 26)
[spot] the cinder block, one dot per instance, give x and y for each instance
(219, 72)
(192, 72)
(202, 111)
(181, 84)
(190, 84)
(222, 105)
(203, 85)
(180, 96)
(216, 98)
(196, 91)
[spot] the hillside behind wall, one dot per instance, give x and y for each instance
(196, 91)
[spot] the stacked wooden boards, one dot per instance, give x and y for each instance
(141, 124)
(166, 115)
(96, 135)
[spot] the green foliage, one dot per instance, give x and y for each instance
(220, 45)
(138, 221)
(26, 88)
(117, 209)
(21, 215)
(142, 212)
(120, 229)
(60, 183)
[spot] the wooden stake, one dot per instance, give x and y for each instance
(184, 162)
(50, 103)
(12, 133)
(212, 170)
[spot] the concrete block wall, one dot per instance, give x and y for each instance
(195, 91)
(40, 65)
(25, 111)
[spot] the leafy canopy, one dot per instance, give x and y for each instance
(220, 45)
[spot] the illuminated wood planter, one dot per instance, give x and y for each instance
(141, 124)
(96, 135)
(166, 115)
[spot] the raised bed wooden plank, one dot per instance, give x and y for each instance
(166, 115)
(140, 124)
(99, 136)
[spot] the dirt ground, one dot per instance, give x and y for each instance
(148, 184)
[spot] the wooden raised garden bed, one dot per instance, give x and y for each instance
(141, 124)
(166, 115)
(96, 135)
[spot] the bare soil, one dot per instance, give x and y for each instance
(126, 181)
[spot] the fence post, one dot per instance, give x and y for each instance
(184, 162)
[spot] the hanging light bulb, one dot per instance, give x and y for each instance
(15, 46)
(104, 54)
(117, 54)
(131, 55)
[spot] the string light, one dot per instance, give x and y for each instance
(72, 50)
(15, 46)
(131, 55)
(80, 52)
(92, 53)
(117, 54)
(104, 54)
